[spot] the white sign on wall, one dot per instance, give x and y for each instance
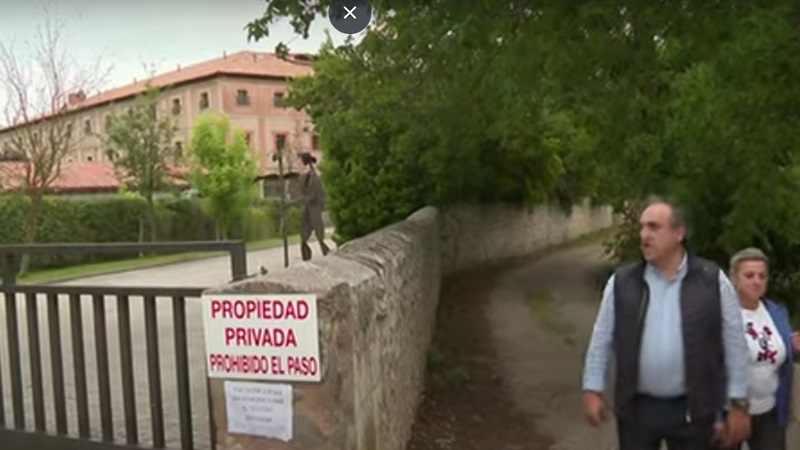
(259, 409)
(262, 336)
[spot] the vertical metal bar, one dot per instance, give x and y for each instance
(238, 260)
(14, 360)
(79, 365)
(154, 371)
(9, 269)
(2, 397)
(212, 427)
(35, 355)
(103, 371)
(126, 362)
(283, 207)
(182, 370)
(57, 363)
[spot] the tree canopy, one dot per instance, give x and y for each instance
(460, 101)
(140, 143)
(222, 169)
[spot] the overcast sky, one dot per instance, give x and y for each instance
(159, 33)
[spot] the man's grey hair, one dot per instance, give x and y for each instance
(677, 218)
(746, 254)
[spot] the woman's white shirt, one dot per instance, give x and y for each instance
(767, 354)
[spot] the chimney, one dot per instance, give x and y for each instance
(75, 98)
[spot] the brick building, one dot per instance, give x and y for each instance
(248, 87)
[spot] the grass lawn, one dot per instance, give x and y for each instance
(87, 270)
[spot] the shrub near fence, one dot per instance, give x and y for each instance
(116, 219)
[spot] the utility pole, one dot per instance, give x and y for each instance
(283, 206)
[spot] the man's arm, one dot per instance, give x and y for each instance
(600, 346)
(733, 339)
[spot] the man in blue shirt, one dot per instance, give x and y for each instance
(674, 326)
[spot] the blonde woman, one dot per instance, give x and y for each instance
(772, 347)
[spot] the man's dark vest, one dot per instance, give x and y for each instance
(701, 313)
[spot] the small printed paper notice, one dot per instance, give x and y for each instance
(259, 409)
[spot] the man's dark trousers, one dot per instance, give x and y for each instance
(649, 421)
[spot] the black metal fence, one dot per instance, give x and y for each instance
(51, 407)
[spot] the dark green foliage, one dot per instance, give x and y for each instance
(460, 101)
(116, 219)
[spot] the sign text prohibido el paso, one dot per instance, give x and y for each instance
(262, 336)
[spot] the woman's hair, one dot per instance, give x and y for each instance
(307, 158)
(747, 254)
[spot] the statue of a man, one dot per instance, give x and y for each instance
(313, 199)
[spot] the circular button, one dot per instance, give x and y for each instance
(350, 16)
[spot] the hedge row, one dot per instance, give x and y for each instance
(117, 219)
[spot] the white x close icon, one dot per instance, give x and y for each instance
(349, 12)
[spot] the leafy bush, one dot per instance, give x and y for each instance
(117, 219)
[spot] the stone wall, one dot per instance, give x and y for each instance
(475, 235)
(377, 300)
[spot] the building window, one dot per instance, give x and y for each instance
(69, 129)
(176, 106)
(248, 137)
(90, 158)
(204, 103)
(278, 100)
(179, 149)
(315, 141)
(87, 126)
(108, 121)
(280, 141)
(242, 97)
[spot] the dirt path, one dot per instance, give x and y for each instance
(541, 314)
(467, 404)
(506, 363)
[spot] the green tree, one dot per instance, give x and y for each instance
(491, 101)
(222, 170)
(140, 143)
(732, 129)
(404, 122)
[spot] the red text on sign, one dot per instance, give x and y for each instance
(261, 364)
(260, 337)
(302, 365)
(260, 309)
(238, 363)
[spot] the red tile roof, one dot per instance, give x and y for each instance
(245, 63)
(96, 176)
(86, 175)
